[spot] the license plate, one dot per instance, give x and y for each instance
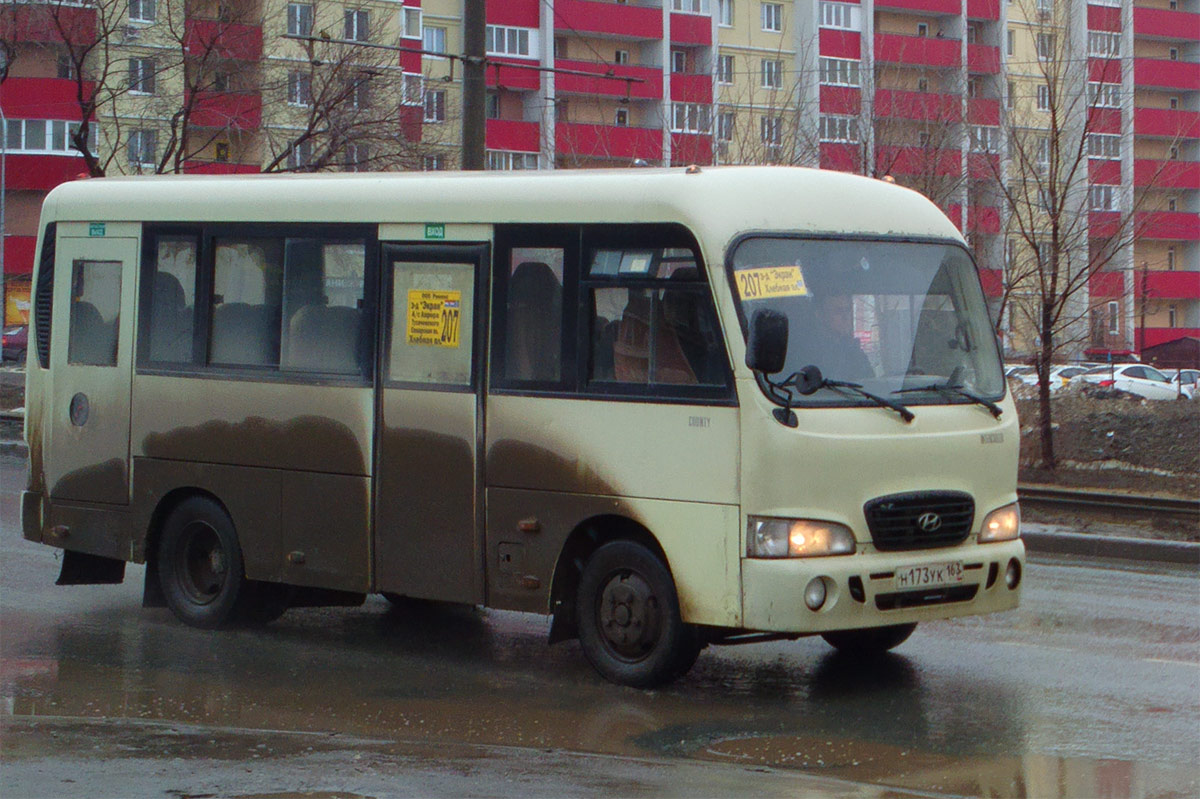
(930, 574)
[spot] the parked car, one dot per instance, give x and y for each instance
(1185, 381)
(1059, 375)
(16, 341)
(1144, 381)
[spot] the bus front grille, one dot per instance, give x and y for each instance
(926, 596)
(919, 520)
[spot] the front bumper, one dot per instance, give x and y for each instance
(861, 589)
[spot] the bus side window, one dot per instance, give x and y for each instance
(534, 320)
(172, 302)
(95, 313)
(323, 291)
(247, 295)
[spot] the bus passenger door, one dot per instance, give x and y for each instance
(92, 355)
(428, 534)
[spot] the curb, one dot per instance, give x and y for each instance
(1097, 546)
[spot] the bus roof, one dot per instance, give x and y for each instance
(720, 201)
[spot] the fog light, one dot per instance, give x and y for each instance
(814, 594)
(1012, 575)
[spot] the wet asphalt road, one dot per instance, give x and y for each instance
(1091, 689)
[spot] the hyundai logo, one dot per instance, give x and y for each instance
(929, 522)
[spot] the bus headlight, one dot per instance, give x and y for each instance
(1002, 524)
(797, 538)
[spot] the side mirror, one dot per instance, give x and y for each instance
(766, 350)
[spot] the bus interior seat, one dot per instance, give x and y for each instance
(534, 323)
(92, 340)
(684, 311)
(631, 352)
(244, 334)
(323, 338)
(605, 333)
(171, 320)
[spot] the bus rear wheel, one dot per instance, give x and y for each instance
(200, 565)
(870, 641)
(630, 627)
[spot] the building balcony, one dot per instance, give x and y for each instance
(1104, 70)
(842, 157)
(983, 59)
(691, 148)
(983, 219)
(42, 172)
(691, 29)
(840, 100)
(204, 167)
(918, 161)
(231, 110)
(1160, 23)
(608, 141)
(983, 9)
(1103, 18)
(840, 44)
(46, 23)
(983, 166)
(609, 20)
(1166, 123)
(917, 51)
(1167, 174)
(1168, 285)
(917, 105)
(691, 88)
(1168, 225)
(520, 13)
(926, 7)
(513, 134)
(1153, 336)
(229, 40)
(18, 255)
(42, 98)
(983, 111)
(1104, 120)
(1104, 172)
(512, 78)
(1161, 73)
(1104, 284)
(649, 88)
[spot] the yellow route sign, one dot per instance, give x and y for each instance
(770, 281)
(434, 317)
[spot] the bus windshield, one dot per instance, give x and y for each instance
(904, 320)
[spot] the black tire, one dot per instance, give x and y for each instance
(630, 628)
(869, 641)
(200, 565)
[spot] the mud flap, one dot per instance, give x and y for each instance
(80, 568)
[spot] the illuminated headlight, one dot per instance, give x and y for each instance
(797, 538)
(1003, 524)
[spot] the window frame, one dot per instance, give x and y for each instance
(296, 19)
(771, 17)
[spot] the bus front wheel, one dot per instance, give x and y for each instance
(869, 641)
(200, 564)
(630, 627)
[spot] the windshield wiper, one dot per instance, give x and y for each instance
(810, 380)
(957, 389)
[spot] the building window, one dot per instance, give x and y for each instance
(771, 130)
(1102, 44)
(922, 84)
(1104, 95)
(1170, 259)
(1043, 151)
(1170, 316)
(972, 87)
(1045, 6)
(1173, 54)
(725, 126)
(360, 93)
(357, 24)
(1104, 145)
(1114, 317)
(690, 117)
(300, 155)
(141, 75)
(299, 89)
(690, 6)
(491, 105)
(1173, 103)
(725, 13)
(1046, 43)
(435, 105)
(1043, 97)
(143, 144)
(1012, 41)
(678, 61)
(412, 89)
(412, 22)
(433, 39)
(985, 139)
(772, 16)
(922, 29)
(221, 152)
(838, 128)
(1172, 204)
(1011, 99)
(1102, 198)
(772, 74)
(621, 57)
(299, 19)
(843, 16)
(358, 156)
(433, 163)
(142, 11)
(621, 118)
(725, 69)
(45, 136)
(839, 72)
(1010, 253)
(500, 40)
(65, 66)
(501, 161)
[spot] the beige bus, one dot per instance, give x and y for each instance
(668, 408)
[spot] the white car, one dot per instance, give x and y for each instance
(1136, 378)
(1185, 381)
(1059, 375)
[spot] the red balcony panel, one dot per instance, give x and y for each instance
(411, 62)
(1104, 18)
(1167, 174)
(984, 219)
(954, 213)
(1171, 225)
(515, 78)
(520, 13)
(691, 88)
(608, 141)
(1165, 24)
(219, 168)
(233, 110)
(42, 98)
(47, 23)
(1104, 120)
(841, 44)
(1153, 336)
(513, 134)
(1165, 74)
(842, 157)
(609, 19)
(18, 255)
(691, 29)
(1169, 285)
(1104, 70)
(691, 148)
(983, 111)
(223, 39)
(1106, 284)
(1103, 224)
(840, 100)
(993, 282)
(983, 59)
(892, 48)
(983, 166)
(411, 122)
(948, 7)
(1107, 173)
(42, 172)
(1166, 122)
(983, 9)
(918, 160)
(650, 87)
(917, 105)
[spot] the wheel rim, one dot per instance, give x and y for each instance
(202, 565)
(628, 616)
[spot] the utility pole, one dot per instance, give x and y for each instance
(474, 87)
